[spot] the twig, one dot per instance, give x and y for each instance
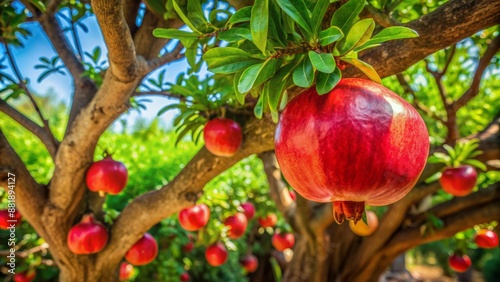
(381, 18)
(168, 57)
(158, 93)
(75, 35)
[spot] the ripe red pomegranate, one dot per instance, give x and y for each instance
(283, 241)
(269, 220)
(107, 175)
(195, 217)
(237, 225)
(248, 209)
(25, 276)
(143, 251)
(459, 263)
(458, 181)
(188, 247)
(185, 277)
(5, 219)
(222, 137)
(293, 195)
(249, 263)
(216, 254)
(361, 229)
(126, 271)
(87, 237)
(361, 144)
(486, 239)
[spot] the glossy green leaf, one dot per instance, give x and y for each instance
(318, 15)
(364, 67)
(347, 14)
(242, 15)
(235, 34)
(390, 33)
(330, 35)
(303, 74)
(239, 96)
(325, 82)
(259, 24)
(228, 60)
(476, 163)
(174, 33)
(323, 62)
(298, 11)
(195, 12)
(359, 34)
(258, 110)
(256, 74)
(183, 17)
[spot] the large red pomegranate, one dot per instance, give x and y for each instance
(486, 239)
(237, 225)
(194, 218)
(283, 241)
(248, 210)
(249, 263)
(143, 251)
(458, 181)
(223, 137)
(269, 220)
(25, 276)
(6, 221)
(107, 175)
(126, 271)
(216, 254)
(459, 263)
(87, 237)
(359, 144)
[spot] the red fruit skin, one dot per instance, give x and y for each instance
(361, 143)
(459, 181)
(25, 276)
(126, 271)
(223, 137)
(250, 263)
(269, 221)
(248, 210)
(188, 247)
(237, 225)
(194, 218)
(459, 263)
(486, 239)
(87, 237)
(5, 217)
(143, 251)
(185, 277)
(216, 254)
(293, 195)
(283, 241)
(107, 175)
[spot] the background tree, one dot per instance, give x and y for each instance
(445, 73)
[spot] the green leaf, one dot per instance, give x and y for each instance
(191, 57)
(167, 108)
(256, 74)
(451, 151)
(228, 60)
(434, 177)
(298, 11)
(347, 14)
(325, 82)
(258, 110)
(195, 12)
(239, 96)
(390, 33)
(242, 15)
(39, 5)
(174, 33)
(358, 35)
(323, 62)
(330, 35)
(235, 34)
(476, 163)
(364, 67)
(183, 17)
(259, 24)
(318, 15)
(303, 74)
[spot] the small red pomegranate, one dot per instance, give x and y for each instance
(459, 263)
(222, 137)
(293, 195)
(87, 237)
(283, 241)
(361, 229)
(25, 276)
(362, 144)
(6, 221)
(188, 247)
(143, 251)
(107, 175)
(185, 277)
(216, 254)
(237, 225)
(249, 263)
(194, 218)
(269, 220)
(248, 209)
(458, 181)
(486, 239)
(126, 271)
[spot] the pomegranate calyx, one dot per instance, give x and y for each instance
(87, 218)
(348, 210)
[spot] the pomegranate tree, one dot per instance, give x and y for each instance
(486, 239)
(248, 209)
(237, 225)
(107, 176)
(249, 263)
(362, 229)
(216, 254)
(269, 220)
(283, 241)
(459, 263)
(5, 219)
(143, 251)
(126, 271)
(194, 218)
(458, 181)
(360, 143)
(223, 137)
(87, 237)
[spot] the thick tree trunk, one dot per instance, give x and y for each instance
(83, 269)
